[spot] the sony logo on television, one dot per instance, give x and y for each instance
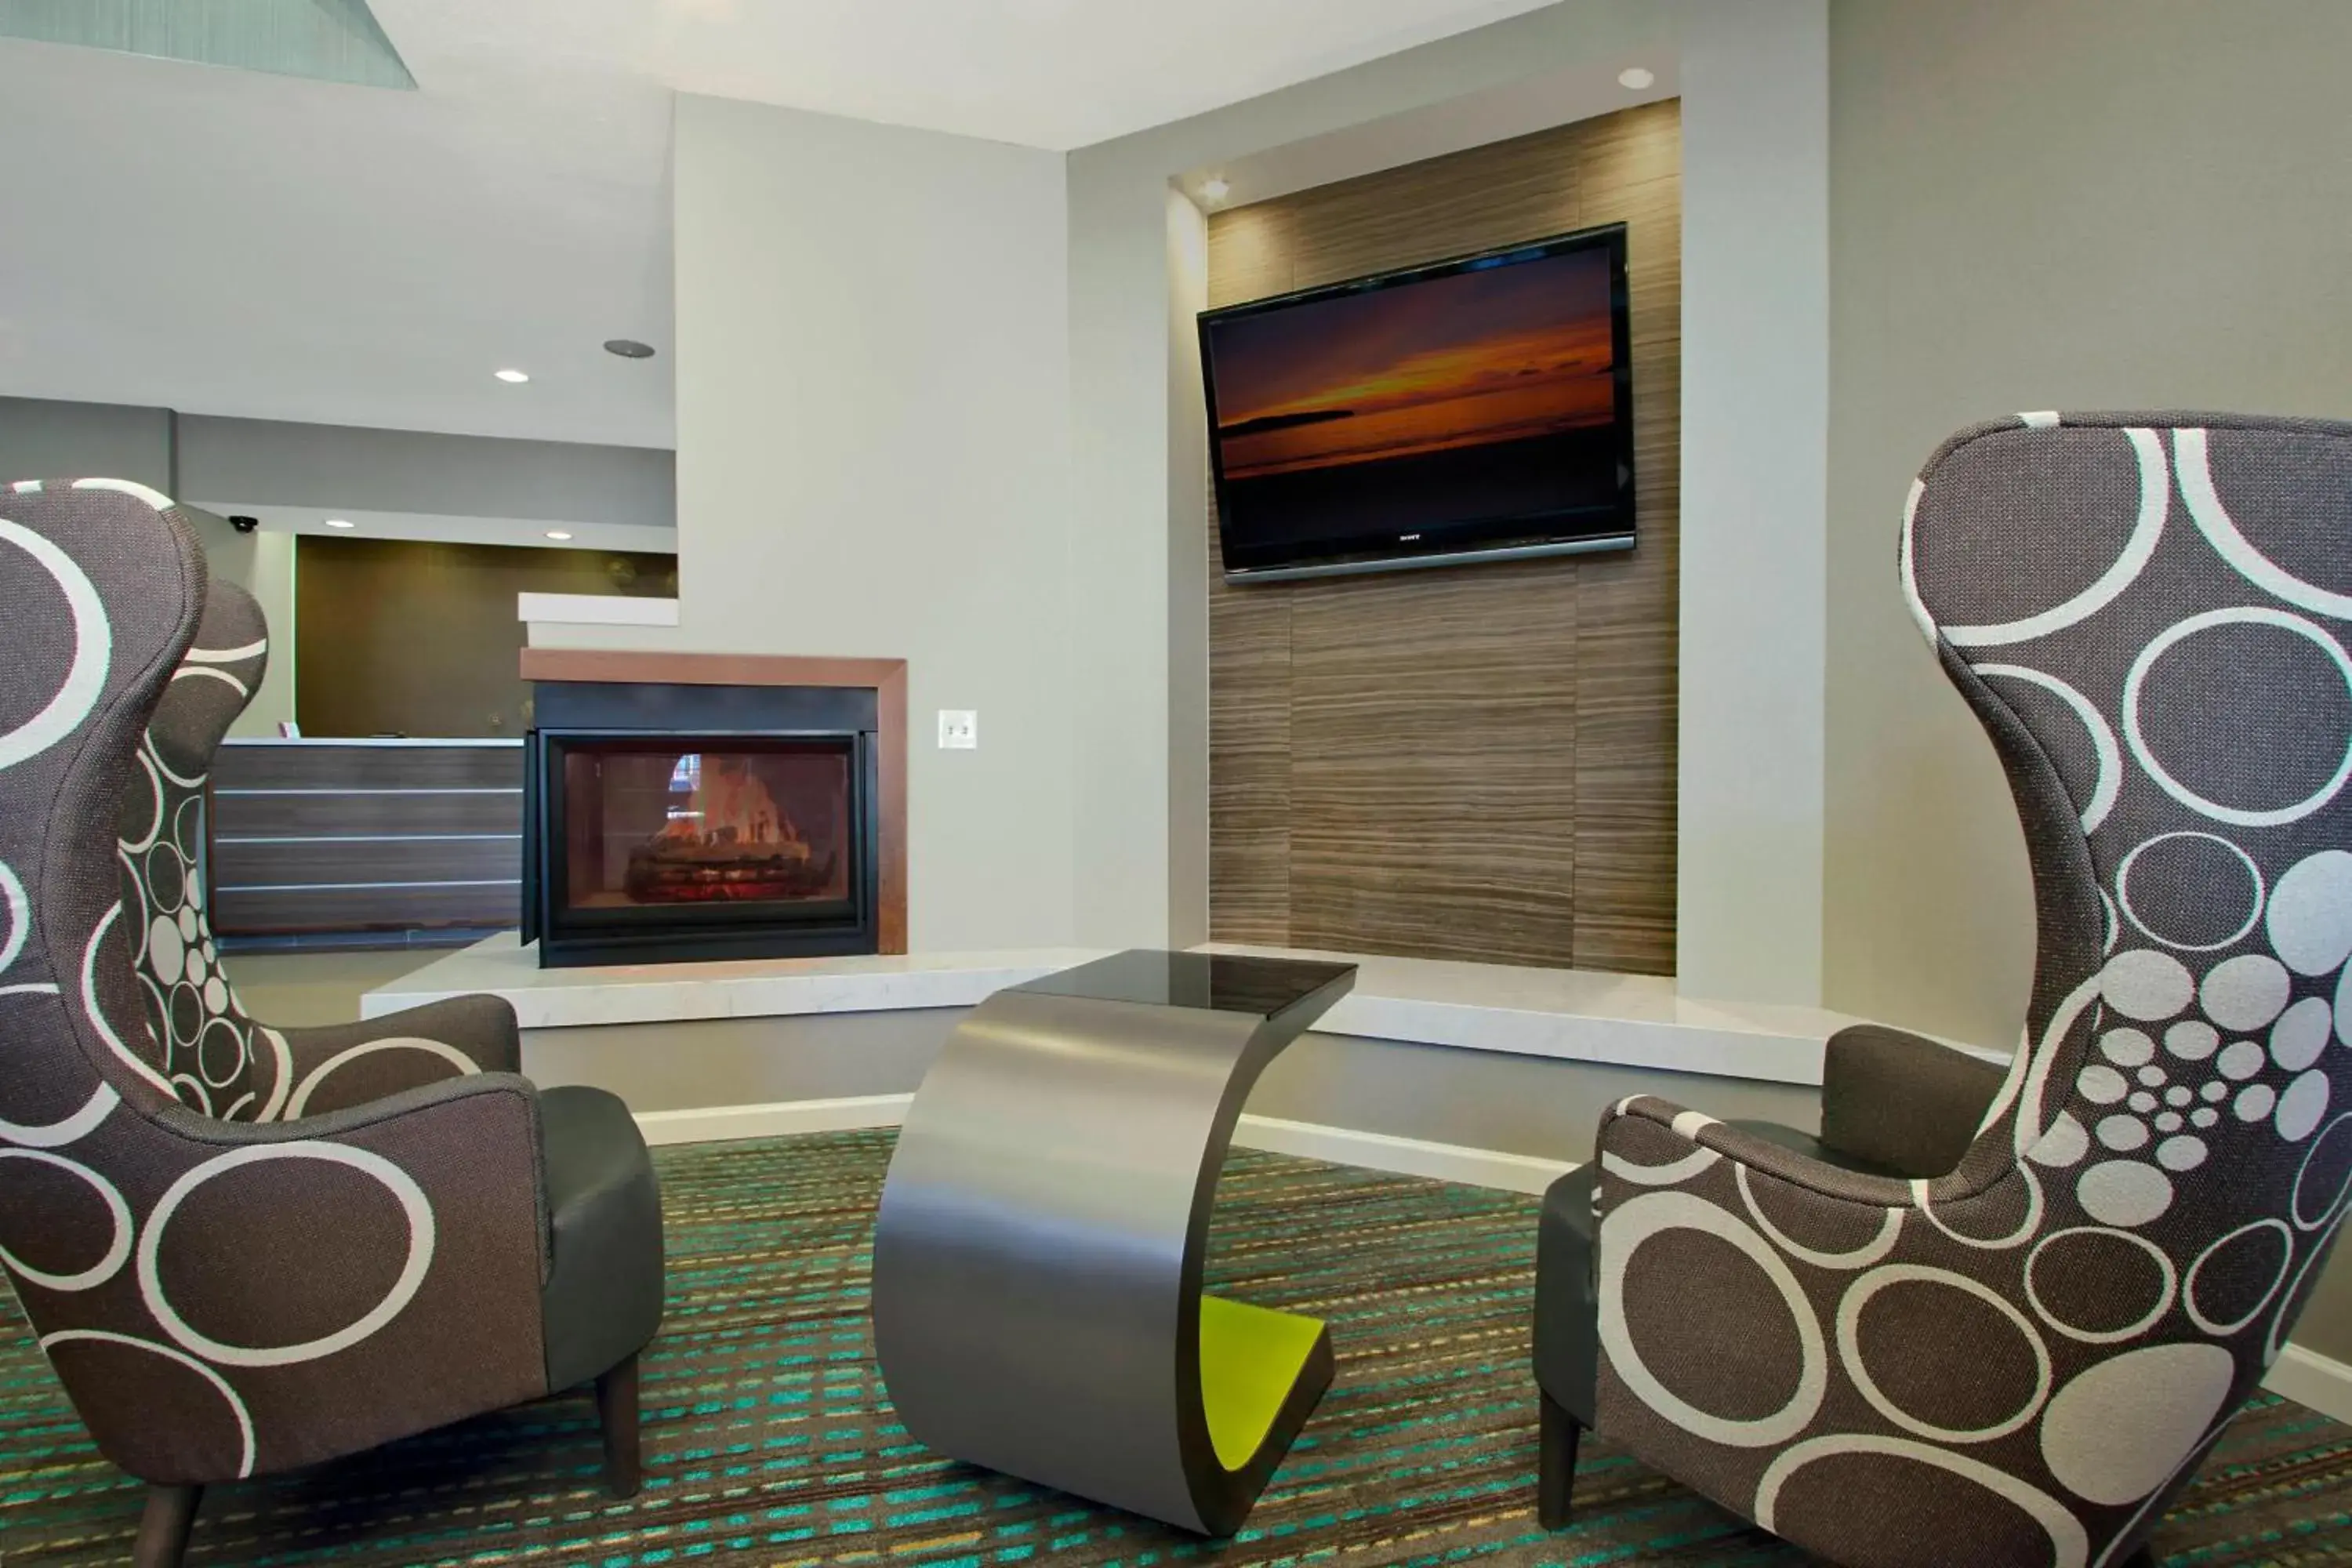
(1407, 538)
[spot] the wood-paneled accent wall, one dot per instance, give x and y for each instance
(1476, 763)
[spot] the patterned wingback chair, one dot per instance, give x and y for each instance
(245, 1249)
(2001, 1320)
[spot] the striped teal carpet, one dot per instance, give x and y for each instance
(769, 1439)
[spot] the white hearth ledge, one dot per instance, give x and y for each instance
(1574, 1015)
(677, 993)
(595, 610)
(1627, 1020)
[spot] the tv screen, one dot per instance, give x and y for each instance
(1474, 408)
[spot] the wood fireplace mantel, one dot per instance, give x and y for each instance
(885, 678)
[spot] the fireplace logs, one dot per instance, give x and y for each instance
(732, 841)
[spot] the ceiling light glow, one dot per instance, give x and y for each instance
(515, 377)
(1637, 78)
(1215, 188)
(557, 533)
(339, 522)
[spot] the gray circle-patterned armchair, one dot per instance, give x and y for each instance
(244, 1248)
(1990, 1319)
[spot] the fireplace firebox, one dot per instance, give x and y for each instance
(656, 845)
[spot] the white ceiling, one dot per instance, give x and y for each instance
(1045, 73)
(225, 242)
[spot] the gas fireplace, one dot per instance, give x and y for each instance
(650, 845)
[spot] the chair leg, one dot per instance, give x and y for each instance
(616, 1409)
(163, 1528)
(1555, 1466)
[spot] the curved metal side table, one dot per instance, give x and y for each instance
(1037, 1304)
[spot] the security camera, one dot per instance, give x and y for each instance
(245, 524)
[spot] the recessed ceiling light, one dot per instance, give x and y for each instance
(557, 533)
(628, 347)
(1215, 189)
(339, 522)
(1637, 78)
(516, 376)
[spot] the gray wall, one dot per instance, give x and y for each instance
(263, 565)
(873, 425)
(1486, 1100)
(264, 461)
(272, 462)
(712, 1062)
(2041, 203)
(44, 440)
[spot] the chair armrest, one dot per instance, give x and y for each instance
(1902, 1101)
(1697, 1343)
(390, 1296)
(1647, 1142)
(343, 1065)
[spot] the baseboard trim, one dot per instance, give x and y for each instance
(1401, 1156)
(2309, 1378)
(1307, 1140)
(725, 1123)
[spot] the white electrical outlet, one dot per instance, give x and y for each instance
(959, 730)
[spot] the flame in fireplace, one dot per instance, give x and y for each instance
(727, 804)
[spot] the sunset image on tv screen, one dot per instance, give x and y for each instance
(1485, 393)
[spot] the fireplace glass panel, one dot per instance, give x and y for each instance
(719, 829)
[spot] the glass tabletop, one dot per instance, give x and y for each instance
(1221, 981)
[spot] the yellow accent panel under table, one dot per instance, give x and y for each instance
(1251, 1358)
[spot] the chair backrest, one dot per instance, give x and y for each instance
(218, 1059)
(2149, 614)
(102, 587)
(101, 598)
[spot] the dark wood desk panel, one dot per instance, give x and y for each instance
(297, 860)
(320, 910)
(332, 764)
(315, 837)
(337, 814)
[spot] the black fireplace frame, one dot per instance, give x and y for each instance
(834, 927)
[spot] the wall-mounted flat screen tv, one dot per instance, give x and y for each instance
(1471, 409)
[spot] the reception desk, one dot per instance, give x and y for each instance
(314, 836)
